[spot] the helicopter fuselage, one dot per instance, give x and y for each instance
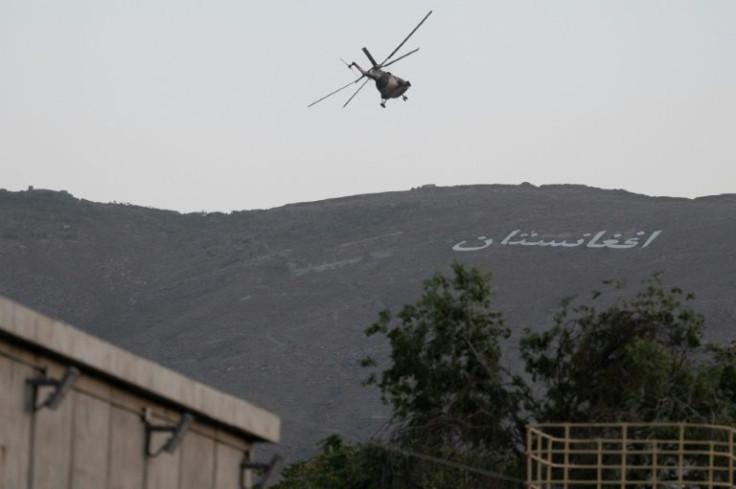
(390, 86)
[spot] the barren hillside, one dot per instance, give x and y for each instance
(271, 305)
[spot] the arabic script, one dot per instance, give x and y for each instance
(599, 240)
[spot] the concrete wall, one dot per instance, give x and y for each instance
(96, 436)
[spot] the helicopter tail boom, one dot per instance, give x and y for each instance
(371, 73)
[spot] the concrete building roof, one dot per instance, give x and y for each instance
(99, 357)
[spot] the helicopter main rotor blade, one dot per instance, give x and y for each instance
(338, 90)
(373, 61)
(400, 58)
(404, 41)
(356, 93)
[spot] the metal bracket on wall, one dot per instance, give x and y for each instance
(268, 471)
(177, 433)
(61, 388)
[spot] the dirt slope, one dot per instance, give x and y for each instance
(270, 305)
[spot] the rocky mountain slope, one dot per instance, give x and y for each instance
(271, 305)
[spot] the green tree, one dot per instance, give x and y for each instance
(444, 382)
(453, 404)
(339, 466)
(620, 356)
(370, 466)
(638, 358)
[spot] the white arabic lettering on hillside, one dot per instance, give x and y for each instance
(599, 240)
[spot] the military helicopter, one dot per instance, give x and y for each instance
(390, 86)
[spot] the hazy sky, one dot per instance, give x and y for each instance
(203, 105)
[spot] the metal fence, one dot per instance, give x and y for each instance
(629, 455)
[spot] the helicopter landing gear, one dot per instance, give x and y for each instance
(383, 104)
(404, 98)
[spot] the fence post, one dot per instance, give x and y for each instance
(624, 453)
(599, 470)
(529, 456)
(730, 457)
(681, 455)
(566, 468)
(655, 475)
(711, 462)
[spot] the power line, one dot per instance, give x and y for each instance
(442, 461)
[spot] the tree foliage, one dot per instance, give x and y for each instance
(338, 465)
(370, 466)
(639, 358)
(444, 382)
(620, 356)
